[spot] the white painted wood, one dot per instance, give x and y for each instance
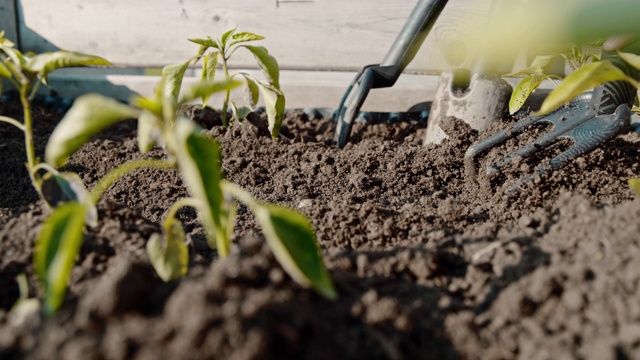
(9, 20)
(302, 88)
(302, 35)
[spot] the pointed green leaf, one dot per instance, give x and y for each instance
(521, 93)
(168, 253)
(206, 43)
(4, 71)
(634, 184)
(538, 66)
(44, 64)
(172, 76)
(243, 37)
(89, 115)
(200, 165)
(581, 80)
(15, 55)
(62, 188)
(56, 249)
(291, 238)
(225, 37)
(252, 88)
(631, 59)
(274, 102)
(267, 63)
(149, 131)
(210, 62)
(240, 113)
(207, 88)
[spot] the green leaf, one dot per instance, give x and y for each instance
(207, 88)
(243, 37)
(44, 64)
(149, 131)
(252, 88)
(240, 113)
(4, 71)
(267, 63)
(210, 62)
(62, 188)
(200, 165)
(581, 80)
(634, 184)
(168, 253)
(172, 76)
(631, 59)
(539, 65)
(89, 115)
(521, 93)
(206, 43)
(56, 249)
(291, 238)
(225, 37)
(274, 102)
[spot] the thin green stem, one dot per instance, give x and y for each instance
(227, 92)
(238, 193)
(11, 121)
(28, 132)
(34, 91)
(189, 201)
(121, 170)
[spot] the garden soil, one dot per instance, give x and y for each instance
(430, 261)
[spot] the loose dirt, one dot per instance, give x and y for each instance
(431, 261)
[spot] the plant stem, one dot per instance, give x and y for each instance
(238, 193)
(189, 201)
(13, 122)
(225, 69)
(106, 181)
(28, 135)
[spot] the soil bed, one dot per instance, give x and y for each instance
(429, 262)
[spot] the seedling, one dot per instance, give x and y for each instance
(198, 159)
(219, 52)
(26, 72)
(590, 71)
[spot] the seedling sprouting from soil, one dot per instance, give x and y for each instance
(198, 159)
(214, 52)
(26, 72)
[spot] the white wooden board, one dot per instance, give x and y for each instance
(302, 35)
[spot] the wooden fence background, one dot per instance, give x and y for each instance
(319, 44)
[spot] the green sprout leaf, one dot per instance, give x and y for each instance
(252, 88)
(168, 253)
(56, 249)
(210, 62)
(274, 102)
(89, 115)
(631, 59)
(148, 131)
(581, 80)
(240, 113)
(243, 37)
(200, 164)
(172, 76)
(4, 71)
(62, 188)
(291, 238)
(267, 63)
(522, 92)
(206, 43)
(45, 63)
(634, 184)
(207, 88)
(225, 37)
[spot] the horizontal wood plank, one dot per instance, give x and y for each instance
(302, 35)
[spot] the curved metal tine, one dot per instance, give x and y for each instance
(564, 121)
(351, 103)
(586, 137)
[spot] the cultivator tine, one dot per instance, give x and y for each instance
(588, 121)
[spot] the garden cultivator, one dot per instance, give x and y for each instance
(479, 97)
